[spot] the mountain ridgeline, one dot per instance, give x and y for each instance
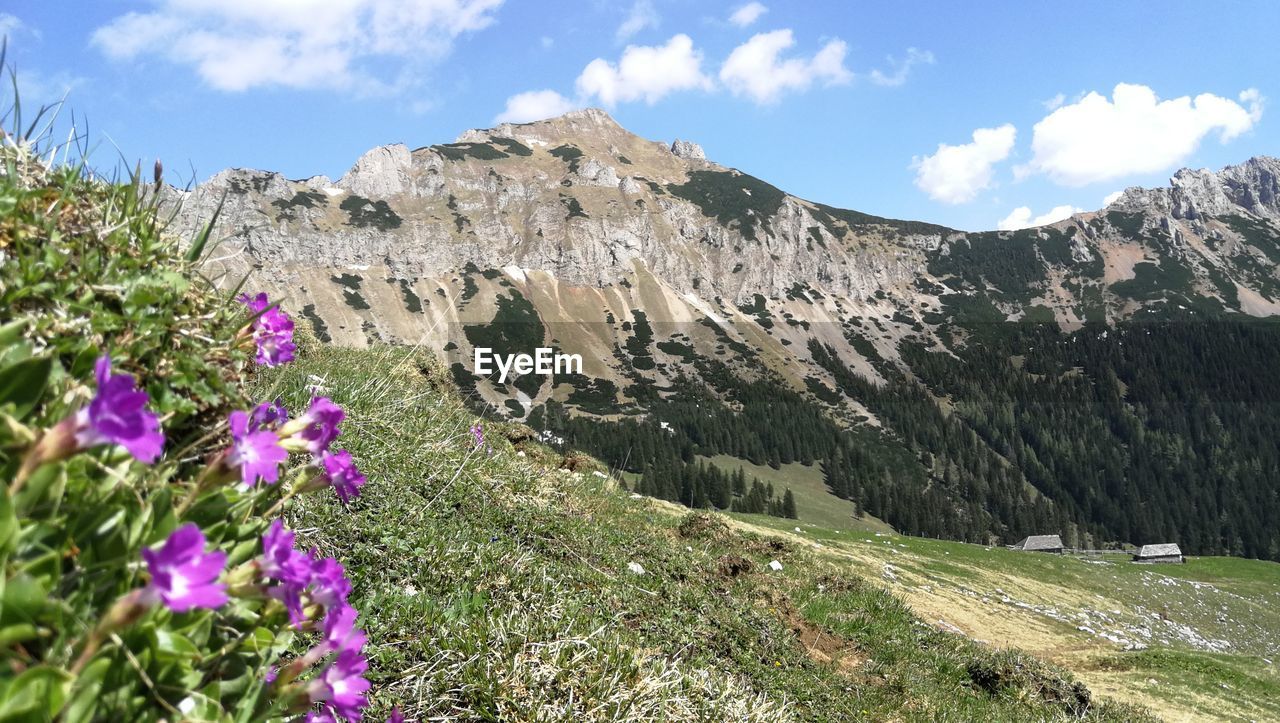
(1110, 377)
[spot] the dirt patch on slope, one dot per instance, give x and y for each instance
(821, 645)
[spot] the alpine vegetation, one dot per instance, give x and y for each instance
(149, 573)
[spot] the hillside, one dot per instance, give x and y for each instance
(502, 581)
(974, 386)
(503, 585)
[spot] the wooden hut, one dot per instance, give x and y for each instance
(1167, 552)
(1040, 543)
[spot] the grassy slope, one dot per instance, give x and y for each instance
(1211, 626)
(496, 587)
(815, 505)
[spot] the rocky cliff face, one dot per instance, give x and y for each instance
(1253, 188)
(576, 196)
(594, 233)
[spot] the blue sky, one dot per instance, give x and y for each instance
(845, 103)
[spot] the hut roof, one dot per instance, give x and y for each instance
(1040, 542)
(1167, 549)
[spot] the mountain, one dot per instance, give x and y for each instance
(1106, 377)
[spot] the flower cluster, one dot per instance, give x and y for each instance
(262, 440)
(272, 331)
(305, 584)
(185, 573)
(314, 432)
(294, 574)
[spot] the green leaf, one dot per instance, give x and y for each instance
(36, 695)
(47, 482)
(200, 707)
(11, 634)
(12, 332)
(84, 698)
(22, 384)
(173, 646)
(8, 524)
(202, 239)
(23, 601)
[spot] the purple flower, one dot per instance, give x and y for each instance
(396, 716)
(272, 331)
(268, 415)
(271, 675)
(478, 432)
(118, 415)
(183, 575)
(321, 419)
(340, 632)
(343, 475)
(258, 454)
(280, 561)
(330, 585)
(342, 685)
(287, 566)
(296, 573)
(257, 304)
(319, 716)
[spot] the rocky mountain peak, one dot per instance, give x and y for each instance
(1250, 188)
(575, 123)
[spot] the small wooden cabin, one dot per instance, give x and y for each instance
(1168, 552)
(1040, 543)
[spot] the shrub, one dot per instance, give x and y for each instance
(364, 213)
(479, 151)
(571, 155)
(732, 198)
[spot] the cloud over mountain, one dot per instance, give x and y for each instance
(757, 70)
(1098, 138)
(957, 174)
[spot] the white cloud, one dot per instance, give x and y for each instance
(235, 45)
(1021, 217)
(534, 105)
(1111, 198)
(901, 69)
(10, 24)
(1054, 103)
(547, 42)
(755, 70)
(1096, 139)
(642, 16)
(956, 174)
(645, 73)
(747, 14)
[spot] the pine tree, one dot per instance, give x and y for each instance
(789, 505)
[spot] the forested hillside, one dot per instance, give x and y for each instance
(1130, 433)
